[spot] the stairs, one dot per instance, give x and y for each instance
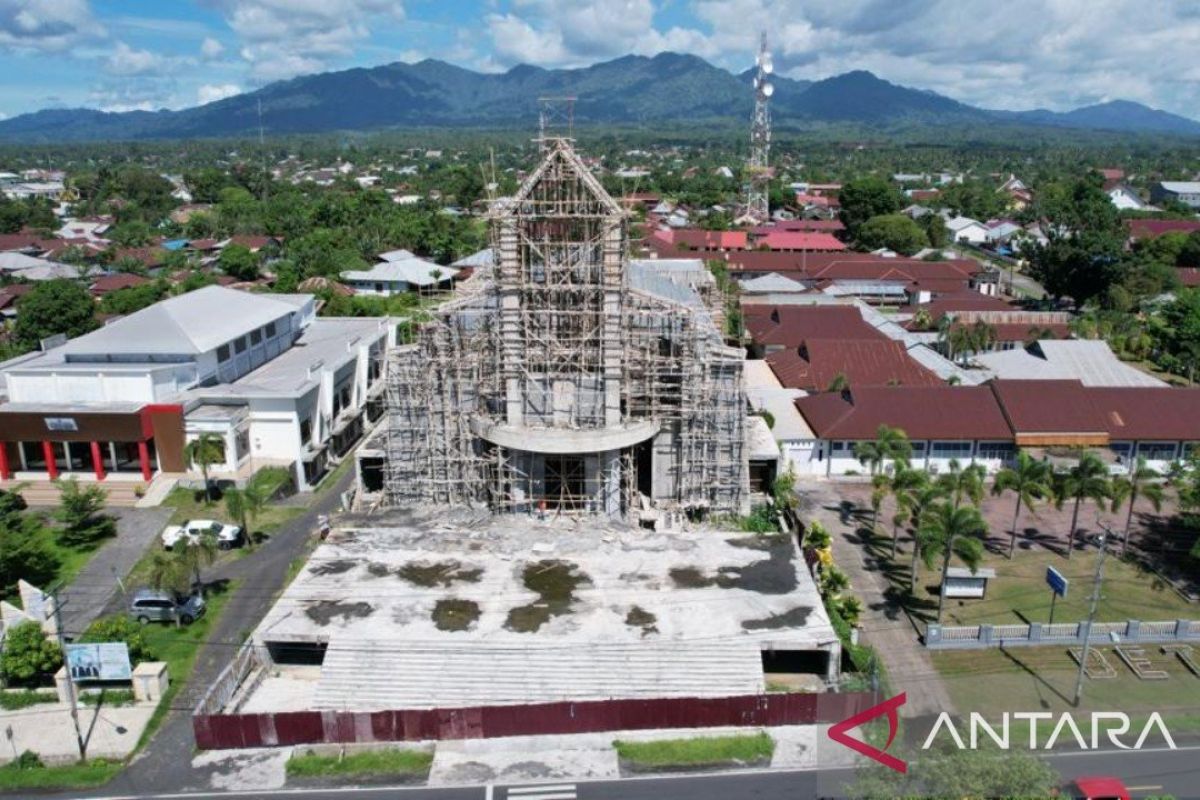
(121, 494)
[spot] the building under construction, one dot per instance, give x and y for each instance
(565, 378)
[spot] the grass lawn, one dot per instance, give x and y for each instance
(1019, 594)
(390, 761)
(698, 752)
(72, 776)
(1043, 679)
(179, 646)
(187, 507)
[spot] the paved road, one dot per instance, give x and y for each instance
(165, 764)
(96, 585)
(1146, 773)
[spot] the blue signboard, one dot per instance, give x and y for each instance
(1057, 583)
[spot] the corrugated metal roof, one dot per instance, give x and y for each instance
(1091, 362)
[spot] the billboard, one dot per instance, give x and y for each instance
(101, 661)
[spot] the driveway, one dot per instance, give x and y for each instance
(98, 583)
(166, 764)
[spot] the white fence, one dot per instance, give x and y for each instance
(974, 637)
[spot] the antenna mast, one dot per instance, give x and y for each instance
(758, 208)
(556, 119)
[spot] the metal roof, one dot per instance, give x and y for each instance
(416, 271)
(1091, 362)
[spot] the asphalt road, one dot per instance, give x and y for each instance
(1146, 773)
(165, 764)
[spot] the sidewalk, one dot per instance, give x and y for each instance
(883, 624)
(110, 732)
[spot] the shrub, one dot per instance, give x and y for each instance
(120, 628)
(79, 511)
(29, 657)
(28, 760)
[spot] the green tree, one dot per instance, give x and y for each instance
(120, 628)
(246, 504)
(29, 658)
(1142, 481)
(52, 307)
(195, 555)
(79, 512)
(893, 231)
(863, 198)
(900, 486)
(1084, 253)
(237, 261)
(204, 451)
(133, 298)
(948, 530)
(24, 552)
(134, 233)
(1087, 480)
(890, 444)
(920, 498)
(1029, 481)
(963, 483)
(935, 230)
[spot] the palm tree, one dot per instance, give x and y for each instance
(204, 451)
(168, 573)
(903, 481)
(948, 530)
(918, 501)
(1087, 480)
(246, 504)
(195, 555)
(1029, 480)
(963, 482)
(890, 444)
(1141, 482)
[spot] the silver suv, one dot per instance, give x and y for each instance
(149, 605)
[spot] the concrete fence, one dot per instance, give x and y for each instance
(978, 637)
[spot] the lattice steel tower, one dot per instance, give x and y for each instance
(758, 208)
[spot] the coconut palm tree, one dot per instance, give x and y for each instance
(1029, 480)
(1142, 481)
(899, 485)
(919, 500)
(948, 530)
(1087, 480)
(963, 482)
(246, 504)
(204, 451)
(890, 444)
(194, 556)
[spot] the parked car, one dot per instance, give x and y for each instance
(149, 605)
(227, 536)
(1097, 788)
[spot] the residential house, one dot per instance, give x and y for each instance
(1185, 192)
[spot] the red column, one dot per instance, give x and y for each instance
(144, 458)
(51, 464)
(5, 469)
(97, 461)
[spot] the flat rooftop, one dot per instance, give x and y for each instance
(454, 607)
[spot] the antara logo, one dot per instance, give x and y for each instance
(837, 732)
(1113, 724)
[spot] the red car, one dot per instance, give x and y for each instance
(1097, 788)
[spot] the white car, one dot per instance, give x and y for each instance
(227, 536)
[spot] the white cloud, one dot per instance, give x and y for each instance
(212, 92)
(211, 49)
(46, 25)
(126, 60)
(284, 38)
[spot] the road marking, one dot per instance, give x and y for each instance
(563, 791)
(487, 792)
(1143, 788)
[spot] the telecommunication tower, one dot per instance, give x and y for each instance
(758, 208)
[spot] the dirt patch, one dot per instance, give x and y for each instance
(555, 583)
(792, 618)
(639, 617)
(453, 614)
(333, 567)
(326, 611)
(773, 575)
(440, 573)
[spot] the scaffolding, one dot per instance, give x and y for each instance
(550, 383)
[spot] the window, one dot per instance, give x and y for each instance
(839, 448)
(270, 329)
(918, 449)
(255, 336)
(239, 344)
(305, 431)
(223, 353)
(997, 451)
(1123, 451)
(1157, 451)
(242, 443)
(959, 450)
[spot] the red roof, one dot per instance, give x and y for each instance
(1111, 173)
(827, 225)
(698, 239)
(10, 293)
(951, 413)
(150, 256)
(10, 242)
(801, 240)
(252, 243)
(791, 325)
(1153, 228)
(957, 303)
(1042, 407)
(816, 200)
(120, 280)
(1189, 276)
(814, 365)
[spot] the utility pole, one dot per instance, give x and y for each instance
(1087, 633)
(62, 645)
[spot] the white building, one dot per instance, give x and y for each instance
(1126, 199)
(397, 272)
(277, 385)
(965, 229)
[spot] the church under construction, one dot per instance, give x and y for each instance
(564, 377)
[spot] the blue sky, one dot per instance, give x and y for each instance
(126, 54)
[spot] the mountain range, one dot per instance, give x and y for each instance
(667, 88)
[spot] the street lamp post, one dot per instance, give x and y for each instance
(1102, 539)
